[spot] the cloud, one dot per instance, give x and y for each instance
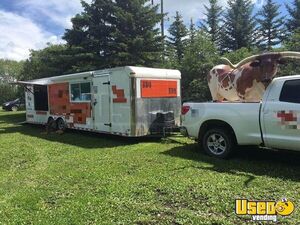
(194, 9)
(188, 8)
(59, 12)
(19, 34)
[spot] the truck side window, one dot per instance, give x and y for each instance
(81, 92)
(290, 91)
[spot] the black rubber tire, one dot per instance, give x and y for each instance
(60, 124)
(51, 124)
(227, 144)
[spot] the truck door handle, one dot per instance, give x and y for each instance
(95, 103)
(108, 124)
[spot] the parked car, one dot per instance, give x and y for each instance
(14, 105)
(273, 123)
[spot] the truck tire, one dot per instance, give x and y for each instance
(218, 143)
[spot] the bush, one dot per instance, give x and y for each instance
(9, 93)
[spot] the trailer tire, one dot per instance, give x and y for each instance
(218, 143)
(51, 124)
(61, 125)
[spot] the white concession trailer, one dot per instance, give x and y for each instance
(126, 101)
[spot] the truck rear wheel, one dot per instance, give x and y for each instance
(217, 143)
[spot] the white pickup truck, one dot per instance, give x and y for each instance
(273, 123)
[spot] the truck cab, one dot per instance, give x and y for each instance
(280, 114)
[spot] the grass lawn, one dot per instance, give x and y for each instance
(83, 178)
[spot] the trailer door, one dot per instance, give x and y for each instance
(102, 103)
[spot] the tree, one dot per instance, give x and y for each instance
(270, 29)
(240, 54)
(292, 66)
(239, 25)
(178, 33)
(293, 23)
(117, 33)
(192, 32)
(54, 60)
(91, 32)
(199, 59)
(293, 44)
(10, 71)
(211, 24)
(137, 41)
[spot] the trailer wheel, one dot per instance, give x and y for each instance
(218, 143)
(61, 125)
(51, 125)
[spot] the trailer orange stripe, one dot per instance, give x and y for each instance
(158, 89)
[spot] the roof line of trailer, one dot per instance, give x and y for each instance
(137, 72)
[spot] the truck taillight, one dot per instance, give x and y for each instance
(185, 109)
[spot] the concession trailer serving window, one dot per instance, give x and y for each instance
(40, 97)
(81, 92)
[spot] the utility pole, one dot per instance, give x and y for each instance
(162, 18)
(162, 25)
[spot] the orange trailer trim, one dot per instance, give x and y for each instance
(158, 89)
(60, 104)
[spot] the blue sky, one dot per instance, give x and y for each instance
(31, 24)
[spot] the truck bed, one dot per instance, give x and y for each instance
(238, 114)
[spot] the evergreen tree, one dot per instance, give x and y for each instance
(91, 32)
(136, 40)
(211, 24)
(199, 59)
(291, 66)
(270, 29)
(117, 33)
(239, 25)
(293, 44)
(178, 33)
(293, 23)
(192, 32)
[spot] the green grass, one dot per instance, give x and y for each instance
(84, 178)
